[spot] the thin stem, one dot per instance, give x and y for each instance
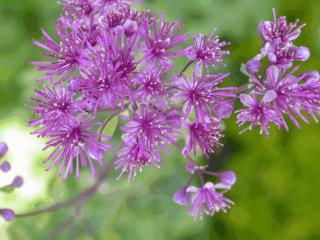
(201, 177)
(106, 121)
(210, 173)
(187, 157)
(186, 67)
(79, 199)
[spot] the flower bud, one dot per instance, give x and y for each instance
(5, 166)
(302, 54)
(310, 76)
(74, 85)
(3, 149)
(181, 197)
(17, 182)
(7, 214)
(253, 66)
(228, 178)
(191, 167)
(223, 110)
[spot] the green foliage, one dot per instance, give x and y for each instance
(276, 194)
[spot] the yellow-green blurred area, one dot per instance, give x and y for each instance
(277, 195)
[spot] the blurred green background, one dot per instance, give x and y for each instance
(277, 194)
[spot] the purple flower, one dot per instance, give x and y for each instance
(293, 94)
(285, 55)
(120, 51)
(207, 51)
(161, 38)
(279, 29)
(121, 16)
(101, 86)
(7, 214)
(182, 197)
(74, 143)
(207, 200)
(66, 55)
(258, 112)
(134, 156)
(205, 135)
(278, 37)
(199, 93)
(77, 8)
(3, 149)
(150, 84)
(150, 127)
(54, 105)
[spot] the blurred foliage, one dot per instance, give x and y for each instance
(277, 193)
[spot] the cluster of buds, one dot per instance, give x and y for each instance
(277, 90)
(112, 60)
(6, 213)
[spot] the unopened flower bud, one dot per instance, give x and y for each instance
(302, 54)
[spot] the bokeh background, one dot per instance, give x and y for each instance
(277, 194)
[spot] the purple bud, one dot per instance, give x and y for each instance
(227, 178)
(17, 182)
(264, 29)
(5, 166)
(181, 197)
(3, 149)
(253, 66)
(88, 104)
(302, 54)
(191, 167)
(7, 214)
(223, 109)
(74, 85)
(272, 57)
(310, 76)
(130, 27)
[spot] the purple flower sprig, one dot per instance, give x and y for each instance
(207, 199)
(278, 90)
(112, 60)
(6, 213)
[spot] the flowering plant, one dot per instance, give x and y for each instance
(112, 61)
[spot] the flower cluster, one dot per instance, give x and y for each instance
(279, 91)
(6, 213)
(112, 60)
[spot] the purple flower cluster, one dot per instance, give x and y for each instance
(6, 213)
(111, 60)
(279, 91)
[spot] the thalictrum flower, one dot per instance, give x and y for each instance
(205, 135)
(161, 37)
(207, 200)
(200, 93)
(207, 51)
(258, 113)
(75, 146)
(66, 55)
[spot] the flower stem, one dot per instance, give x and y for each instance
(186, 67)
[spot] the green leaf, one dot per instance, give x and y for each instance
(7, 189)
(111, 126)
